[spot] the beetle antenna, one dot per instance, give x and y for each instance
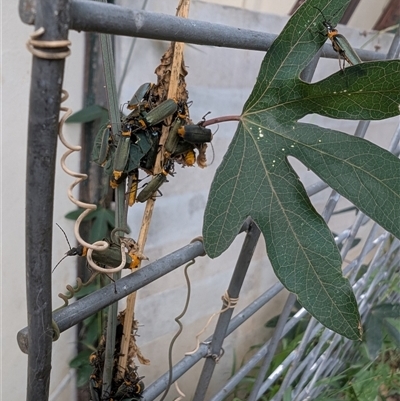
(212, 146)
(65, 235)
(323, 15)
(213, 154)
(121, 108)
(65, 256)
(204, 117)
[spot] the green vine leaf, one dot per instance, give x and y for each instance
(82, 366)
(89, 114)
(378, 324)
(255, 178)
(103, 222)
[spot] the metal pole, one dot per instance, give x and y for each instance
(108, 18)
(235, 285)
(72, 314)
(125, 21)
(75, 313)
(44, 108)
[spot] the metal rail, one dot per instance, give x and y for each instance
(78, 311)
(91, 16)
(233, 292)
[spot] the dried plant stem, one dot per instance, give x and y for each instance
(182, 11)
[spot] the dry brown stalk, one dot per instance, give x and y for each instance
(171, 73)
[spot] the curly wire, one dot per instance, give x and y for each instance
(103, 269)
(100, 245)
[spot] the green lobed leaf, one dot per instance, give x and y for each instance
(387, 310)
(74, 214)
(299, 244)
(103, 222)
(367, 91)
(81, 364)
(373, 336)
(362, 172)
(92, 333)
(89, 114)
(138, 150)
(255, 178)
(393, 332)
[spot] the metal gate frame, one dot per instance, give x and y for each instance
(57, 17)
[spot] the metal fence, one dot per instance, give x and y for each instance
(305, 369)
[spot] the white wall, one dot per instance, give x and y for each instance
(219, 81)
(364, 17)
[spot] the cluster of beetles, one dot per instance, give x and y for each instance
(138, 143)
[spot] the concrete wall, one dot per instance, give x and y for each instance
(364, 16)
(219, 81)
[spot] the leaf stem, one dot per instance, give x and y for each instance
(218, 120)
